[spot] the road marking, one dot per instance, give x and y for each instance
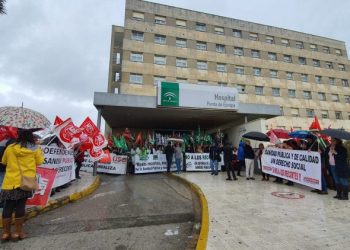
(102, 194)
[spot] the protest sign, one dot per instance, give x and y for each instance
(200, 162)
(152, 163)
(299, 166)
(116, 166)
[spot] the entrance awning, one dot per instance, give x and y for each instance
(121, 111)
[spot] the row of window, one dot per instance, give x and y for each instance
(238, 51)
(202, 27)
(222, 67)
(311, 113)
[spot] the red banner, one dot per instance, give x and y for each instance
(68, 133)
(45, 178)
(58, 121)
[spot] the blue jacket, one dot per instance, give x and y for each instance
(240, 155)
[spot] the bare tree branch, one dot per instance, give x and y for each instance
(2, 7)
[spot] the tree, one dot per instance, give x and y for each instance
(2, 7)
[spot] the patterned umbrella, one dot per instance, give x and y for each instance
(20, 117)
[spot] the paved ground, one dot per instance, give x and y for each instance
(245, 215)
(125, 212)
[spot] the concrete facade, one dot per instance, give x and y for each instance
(304, 74)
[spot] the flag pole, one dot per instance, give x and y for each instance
(99, 111)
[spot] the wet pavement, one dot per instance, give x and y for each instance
(265, 215)
(125, 212)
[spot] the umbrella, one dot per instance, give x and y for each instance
(336, 133)
(302, 134)
(24, 118)
(280, 133)
(257, 136)
(175, 139)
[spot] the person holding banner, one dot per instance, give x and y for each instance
(249, 161)
(21, 159)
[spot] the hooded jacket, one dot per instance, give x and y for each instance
(26, 157)
(241, 151)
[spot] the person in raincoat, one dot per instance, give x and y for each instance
(20, 158)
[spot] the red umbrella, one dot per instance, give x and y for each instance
(280, 133)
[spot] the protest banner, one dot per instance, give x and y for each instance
(152, 163)
(68, 133)
(303, 167)
(117, 165)
(200, 162)
(62, 160)
(45, 178)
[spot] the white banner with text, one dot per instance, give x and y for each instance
(117, 165)
(152, 163)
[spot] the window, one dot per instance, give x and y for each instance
(160, 39)
(285, 42)
(273, 73)
(136, 78)
(338, 115)
(338, 52)
(335, 98)
(221, 67)
(237, 33)
(289, 75)
(238, 51)
(241, 88)
(276, 92)
(222, 84)
(299, 45)
(181, 62)
(341, 67)
(291, 93)
(310, 113)
(201, 27)
(160, 20)
(324, 114)
(138, 16)
(347, 98)
(313, 47)
(116, 58)
(180, 23)
(257, 71)
(158, 79)
(202, 65)
(287, 58)
(181, 43)
(270, 39)
(253, 36)
(302, 60)
(316, 63)
(272, 56)
(239, 70)
(219, 30)
(202, 82)
(294, 112)
(255, 53)
(345, 83)
(307, 95)
(181, 80)
(318, 79)
(259, 90)
(220, 48)
(326, 50)
(304, 77)
(160, 60)
(329, 65)
(136, 57)
(321, 96)
(201, 46)
(331, 80)
(117, 76)
(137, 35)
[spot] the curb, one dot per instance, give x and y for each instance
(52, 204)
(203, 235)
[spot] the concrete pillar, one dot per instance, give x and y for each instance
(94, 172)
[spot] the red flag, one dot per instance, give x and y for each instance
(68, 133)
(90, 129)
(57, 121)
(106, 157)
(139, 139)
(315, 125)
(96, 154)
(273, 138)
(7, 132)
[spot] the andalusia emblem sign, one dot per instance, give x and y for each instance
(170, 94)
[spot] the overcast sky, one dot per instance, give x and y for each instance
(55, 54)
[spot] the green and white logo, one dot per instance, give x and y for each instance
(170, 94)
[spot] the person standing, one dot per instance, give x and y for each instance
(178, 157)
(249, 161)
(169, 151)
(228, 157)
(21, 157)
(240, 158)
(259, 152)
(214, 157)
(78, 158)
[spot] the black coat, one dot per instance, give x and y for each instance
(214, 153)
(169, 151)
(341, 165)
(228, 155)
(248, 152)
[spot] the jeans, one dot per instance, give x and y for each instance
(334, 174)
(168, 163)
(323, 183)
(178, 164)
(214, 166)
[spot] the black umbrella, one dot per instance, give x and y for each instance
(336, 133)
(257, 136)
